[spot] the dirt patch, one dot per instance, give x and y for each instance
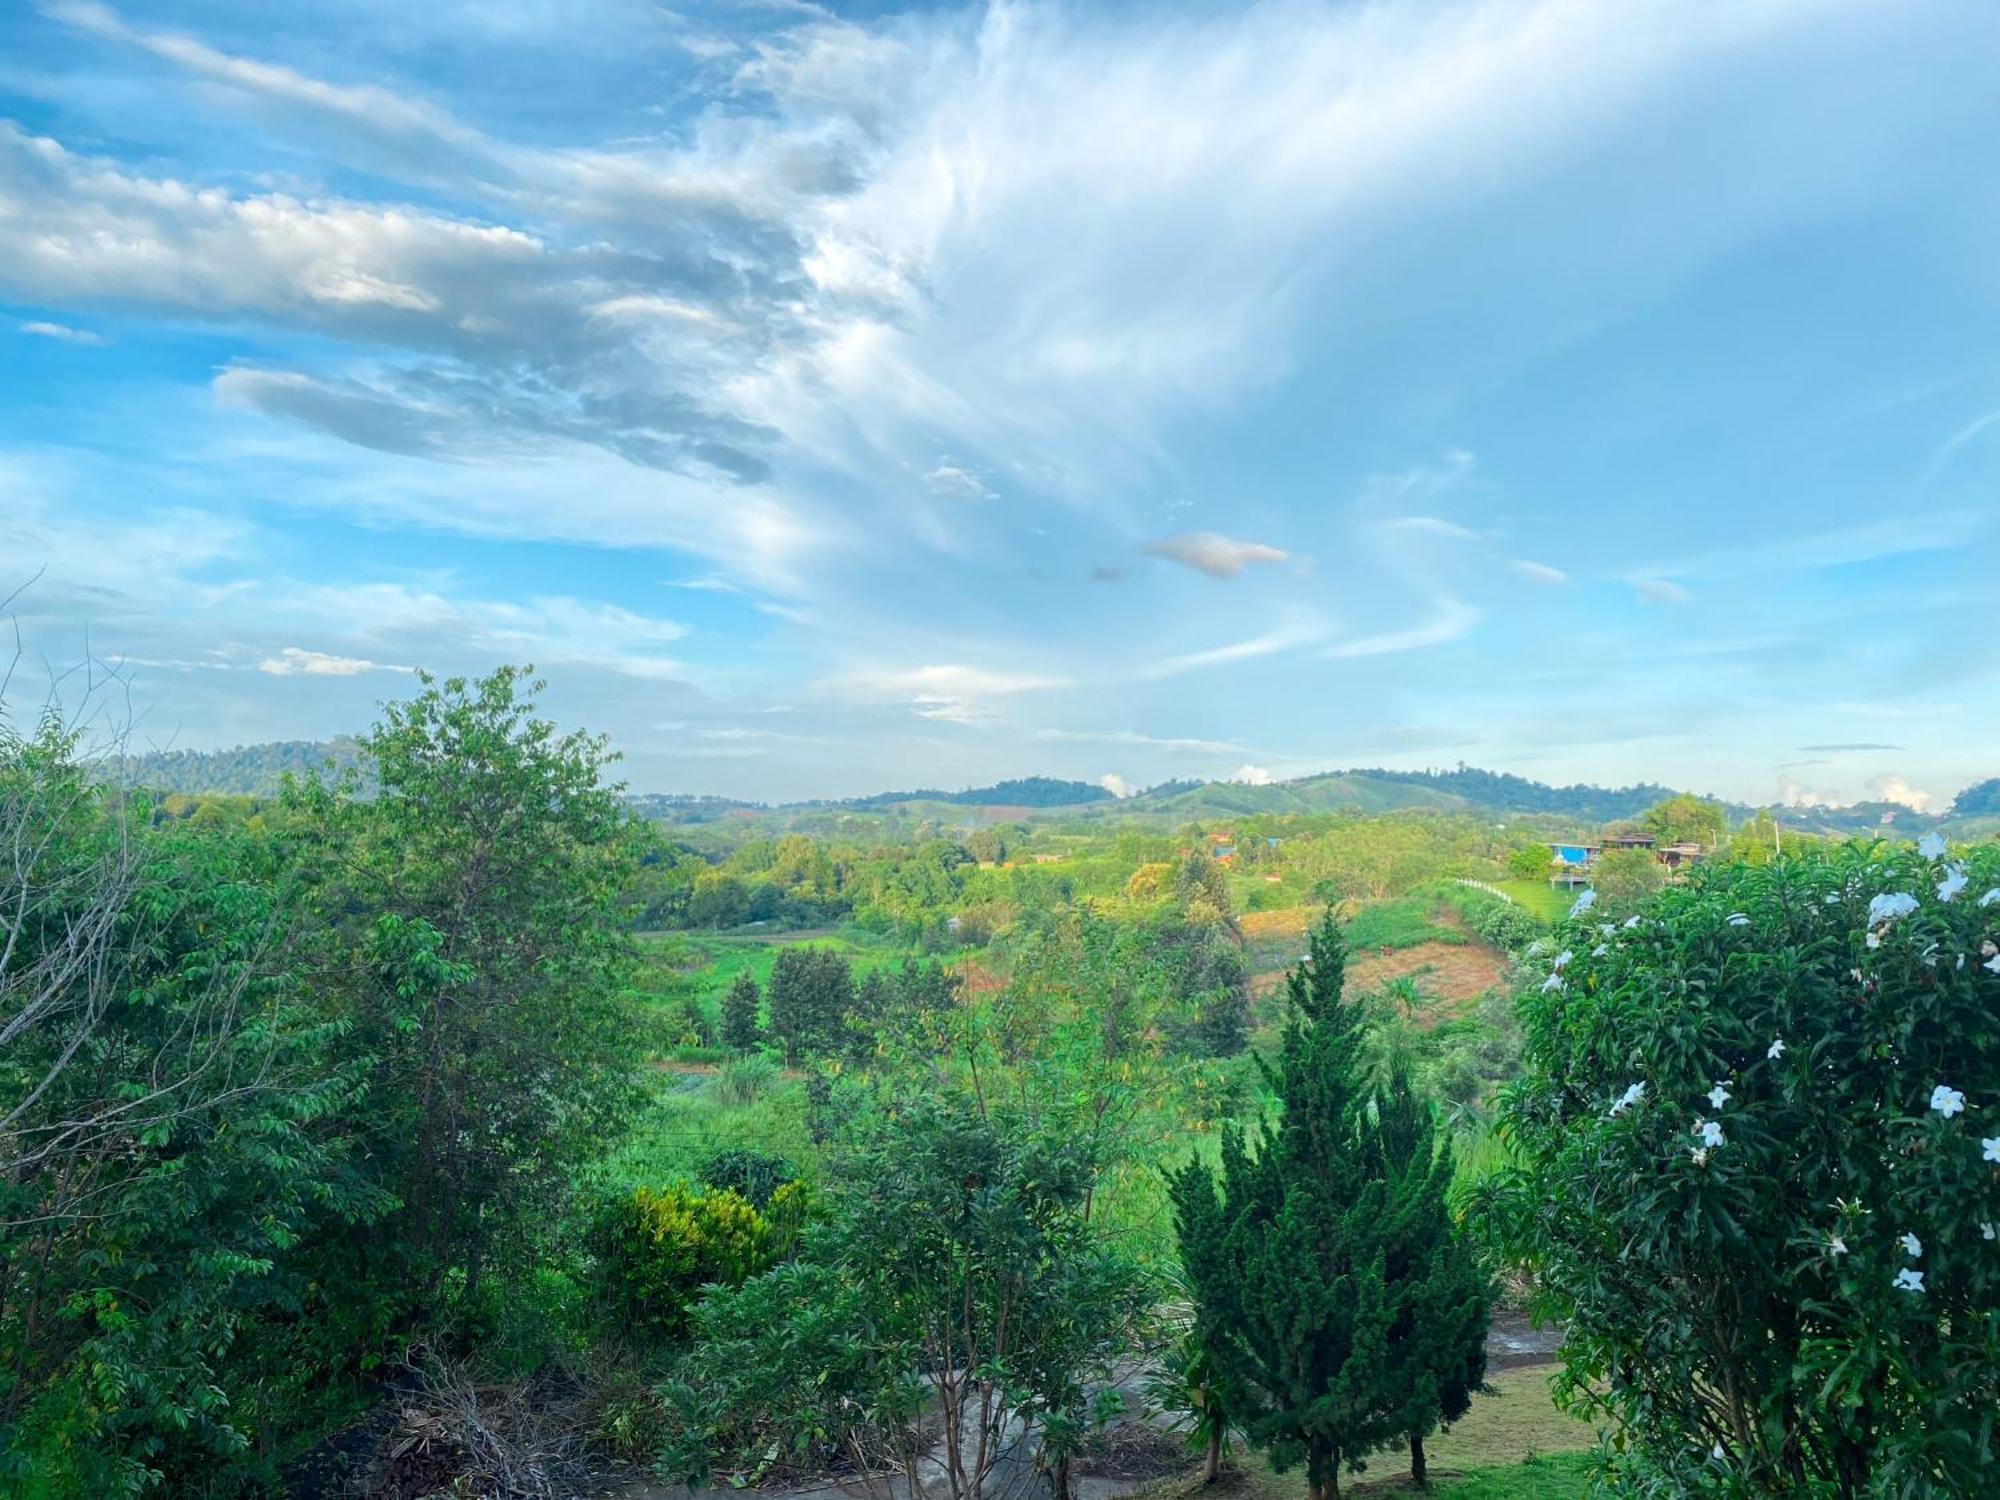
(1134, 1451)
(1291, 922)
(1452, 974)
(978, 979)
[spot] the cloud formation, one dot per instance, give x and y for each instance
(1214, 554)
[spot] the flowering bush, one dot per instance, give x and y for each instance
(1759, 1146)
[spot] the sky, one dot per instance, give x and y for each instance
(832, 399)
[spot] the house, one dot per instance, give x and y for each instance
(1575, 864)
(1572, 863)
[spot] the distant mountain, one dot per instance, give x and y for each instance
(244, 771)
(1027, 791)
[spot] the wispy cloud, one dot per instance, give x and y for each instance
(1214, 554)
(64, 333)
(949, 691)
(295, 661)
(1659, 591)
(1851, 746)
(1449, 620)
(1536, 572)
(1290, 637)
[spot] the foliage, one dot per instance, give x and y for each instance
(740, 1023)
(754, 1175)
(1757, 1137)
(1687, 819)
(1625, 879)
(811, 996)
(1531, 861)
(657, 1250)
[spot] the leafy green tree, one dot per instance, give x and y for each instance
(1625, 879)
(1757, 1137)
(1687, 819)
(1531, 862)
(811, 996)
(470, 916)
(740, 1025)
(1285, 1250)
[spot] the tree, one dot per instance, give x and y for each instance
(1531, 861)
(470, 927)
(811, 996)
(1442, 1296)
(740, 1025)
(1756, 1138)
(1625, 878)
(1287, 1263)
(1687, 819)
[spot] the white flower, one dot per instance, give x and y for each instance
(1776, 1050)
(1563, 958)
(1992, 965)
(1716, 1451)
(1710, 1133)
(1912, 1246)
(1600, 950)
(1583, 903)
(1699, 1156)
(1947, 1101)
(1909, 1281)
(1954, 881)
(1873, 940)
(1632, 1095)
(1719, 1095)
(1537, 946)
(1990, 1148)
(1889, 906)
(1633, 920)
(1989, 1232)
(1931, 846)
(1738, 919)
(1991, 898)
(1553, 982)
(1835, 1245)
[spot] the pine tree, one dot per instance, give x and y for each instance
(1287, 1263)
(811, 995)
(739, 1014)
(1442, 1297)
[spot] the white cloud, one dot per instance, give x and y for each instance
(955, 483)
(1898, 790)
(1536, 572)
(1253, 776)
(1115, 784)
(956, 693)
(63, 332)
(1177, 744)
(294, 661)
(1450, 619)
(1659, 591)
(1216, 555)
(1285, 638)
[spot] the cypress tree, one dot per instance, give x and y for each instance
(1287, 1260)
(739, 1014)
(1441, 1296)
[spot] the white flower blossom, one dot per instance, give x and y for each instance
(1991, 898)
(1600, 950)
(1553, 982)
(1987, 1231)
(1835, 1245)
(1947, 1101)
(1912, 1246)
(1954, 881)
(1776, 1050)
(1710, 1133)
(1992, 965)
(1873, 940)
(1632, 1095)
(1699, 1156)
(1537, 946)
(1738, 919)
(1931, 846)
(1909, 1281)
(1563, 958)
(1633, 920)
(1719, 1095)
(1889, 906)
(1583, 903)
(1990, 1147)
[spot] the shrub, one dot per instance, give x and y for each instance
(1758, 1131)
(657, 1250)
(743, 1080)
(754, 1175)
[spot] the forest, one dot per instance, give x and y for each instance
(439, 1124)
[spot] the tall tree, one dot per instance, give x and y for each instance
(472, 917)
(811, 995)
(740, 1028)
(1287, 1263)
(1441, 1295)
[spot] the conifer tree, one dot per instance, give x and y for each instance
(739, 1014)
(1287, 1263)
(1441, 1296)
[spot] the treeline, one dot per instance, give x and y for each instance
(243, 771)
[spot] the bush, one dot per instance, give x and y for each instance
(657, 1250)
(1758, 1129)
(754, 1175)
(743, 1080)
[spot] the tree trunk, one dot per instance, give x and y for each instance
(1419, 1474)
(1059, 1478)
(1213, 1470)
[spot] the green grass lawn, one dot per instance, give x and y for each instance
(1512, 1445)
(1539, 897)
(1402, 922)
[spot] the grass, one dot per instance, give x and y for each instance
(1403, 922)
(1512, 1445)
(1539, 897)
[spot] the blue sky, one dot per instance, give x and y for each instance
(829, 399)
